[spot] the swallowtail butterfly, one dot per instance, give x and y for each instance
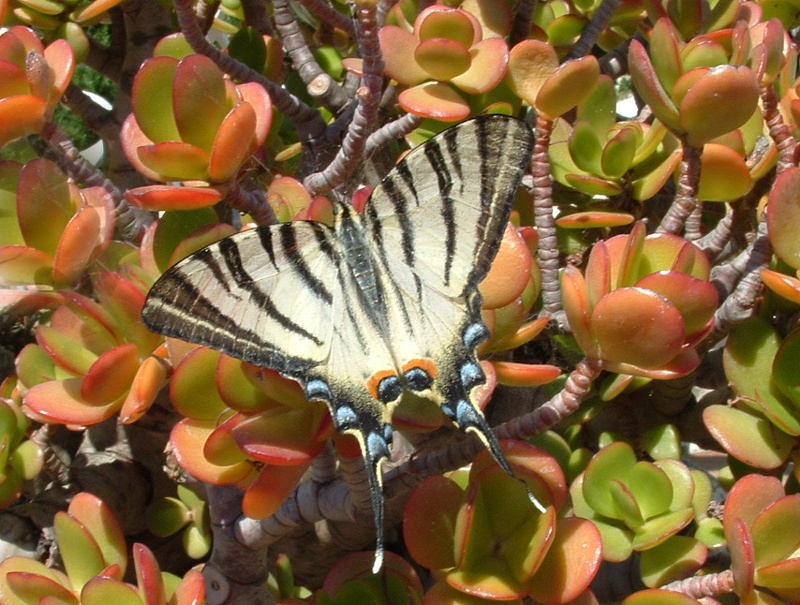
(376, 304)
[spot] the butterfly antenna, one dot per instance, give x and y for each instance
(470, 419)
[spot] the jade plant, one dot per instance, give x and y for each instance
(643, 344)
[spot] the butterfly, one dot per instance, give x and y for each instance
(379, 303)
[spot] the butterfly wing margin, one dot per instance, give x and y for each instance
(452, 194)
(241, 296)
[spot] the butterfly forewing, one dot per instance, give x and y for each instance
(263, 295)
(443, 209)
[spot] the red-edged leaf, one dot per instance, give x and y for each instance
(110, 376)
(60, 401)
(271, 487)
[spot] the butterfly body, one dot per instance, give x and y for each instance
(377, 304)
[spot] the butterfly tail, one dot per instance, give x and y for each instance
(468, 418)
(375, 450)
(356, 414)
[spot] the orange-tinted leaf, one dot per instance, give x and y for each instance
(200, 101)
(489, 61)
(525, 374)
(398, 48)
(99, 520)
(175, 161)
(61, 61)
(150, 378)
(696, 299)
(82, 557)
(567, 86)
(165, 197)
(109, 378)
(637, 326)
(77, 247)
(733, 91)
(148, 575)
(20, 116)
(272, 486)
(751, 439)
(233, 144)
(193, 389)
(649, 86)
(429, 521)
(530, 63)
(575, 294)
(64, 350)
(187, 439)
(510, 271)
(43, 190)
(258, 98)
(24, 265)
(281, 435)
(28, 587)
(784, 285)
(434, 100)
(441, 58)
(571, 563)
(594, 219)
(783, 216)
(152, 100)
(724, 175)
(60, 401)
(445, 22)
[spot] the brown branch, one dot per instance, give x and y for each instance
(778, 129)
(253, 203)
(393, 131)
(329, 15)
(548, 255)
(599, 21)
(523, 19)
(710, 585)
(685, 200)
(740, 304)
(715, 241)
(256, 16)
(365, 117)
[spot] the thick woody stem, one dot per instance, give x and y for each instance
(685, 200)
(594, 28)
(365, 117)
(544, 218)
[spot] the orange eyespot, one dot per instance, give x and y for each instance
(377, 383)
(425, 364)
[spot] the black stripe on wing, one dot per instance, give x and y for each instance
(233, 261)
(176, 308)
(505, 146)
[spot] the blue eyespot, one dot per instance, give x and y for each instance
(389, 389)
(418, 379)
(377, 448)
(475, 334)
(345, 417)
(318, 390)
(472, 375)
(388, 433)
